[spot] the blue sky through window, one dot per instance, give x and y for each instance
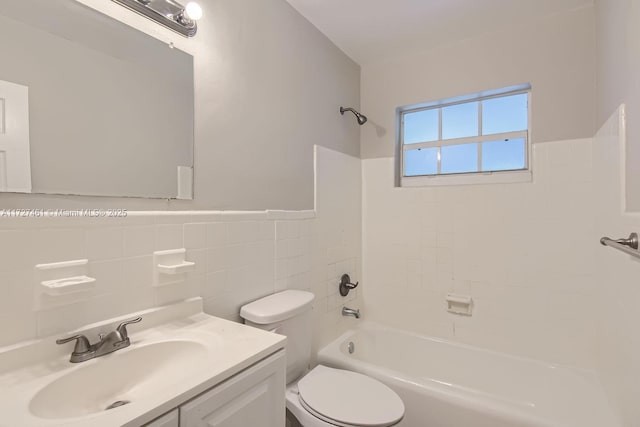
(421, 126)
(459, 158)
(460, 121)
(435, 127)
(504, 155)
(421, 162)
(506, 114)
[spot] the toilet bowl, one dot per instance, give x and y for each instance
(324, 396)
(333, 397)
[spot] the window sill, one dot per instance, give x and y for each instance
(511, 177)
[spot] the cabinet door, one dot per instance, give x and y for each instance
(253, 398)
(172, 419)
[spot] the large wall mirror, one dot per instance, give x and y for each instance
(91, 106)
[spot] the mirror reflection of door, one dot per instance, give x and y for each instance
(15, 156)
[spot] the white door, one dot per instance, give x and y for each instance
(253, 398)
(15, 155)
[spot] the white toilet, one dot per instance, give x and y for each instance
(322, 397)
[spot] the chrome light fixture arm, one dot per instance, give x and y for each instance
(168, 13)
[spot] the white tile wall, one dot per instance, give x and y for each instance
(338, 245)
(139, 240)
(239, 256)
(617, 289)
(313, 254)
(121, 261)
(527, 254)
(524, 252)
(293, 252)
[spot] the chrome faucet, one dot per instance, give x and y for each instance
(113, 341)
(346, 311)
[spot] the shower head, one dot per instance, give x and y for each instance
(361, 118)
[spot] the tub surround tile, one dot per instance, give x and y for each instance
(524, 253)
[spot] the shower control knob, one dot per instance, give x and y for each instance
(346, 285)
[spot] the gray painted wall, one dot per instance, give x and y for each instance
(555, 54)
(268, 86)
(618, 49)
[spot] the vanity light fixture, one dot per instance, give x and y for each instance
(169, 13)
(193, 11)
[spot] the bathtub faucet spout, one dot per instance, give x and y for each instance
(351, 312)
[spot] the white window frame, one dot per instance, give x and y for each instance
(466, 178)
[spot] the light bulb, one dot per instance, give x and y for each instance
(193, 11)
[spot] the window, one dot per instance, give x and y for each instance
(466, 140)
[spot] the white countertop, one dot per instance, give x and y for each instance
(230, 348)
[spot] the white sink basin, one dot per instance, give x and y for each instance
(176, 353)
(120, 378)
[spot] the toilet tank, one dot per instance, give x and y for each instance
(287, 313)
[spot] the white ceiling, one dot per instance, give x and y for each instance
(372, 30)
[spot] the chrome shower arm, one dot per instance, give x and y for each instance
(361, 118)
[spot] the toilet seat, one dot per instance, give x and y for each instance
(348, 399)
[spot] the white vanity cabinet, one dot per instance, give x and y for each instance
(251, 398)
(172, 419)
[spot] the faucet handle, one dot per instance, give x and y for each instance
(82, 343)
(345, 285)
(122, 328)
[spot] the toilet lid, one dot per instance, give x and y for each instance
(349, 398)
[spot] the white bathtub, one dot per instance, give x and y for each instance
(449, 385)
